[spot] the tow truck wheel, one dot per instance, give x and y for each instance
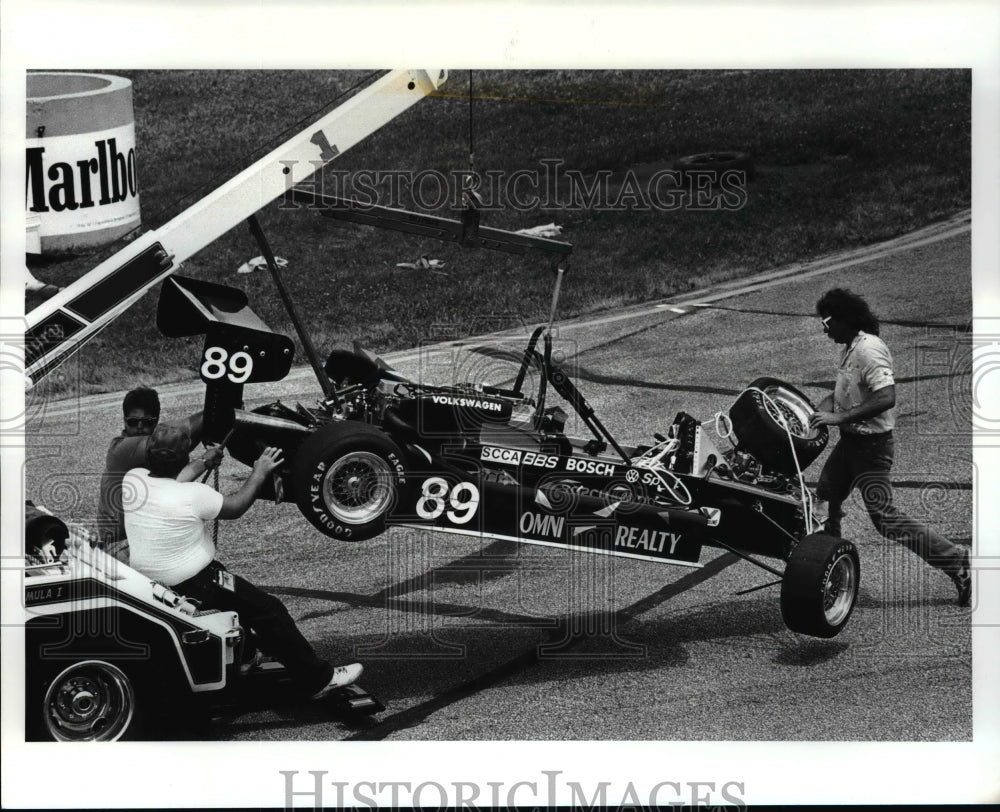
(347, 480)
(759, 424)
(90, 701)
(820, 585)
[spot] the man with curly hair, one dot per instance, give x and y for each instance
(862, 407)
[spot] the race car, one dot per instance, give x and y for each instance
(380, 450)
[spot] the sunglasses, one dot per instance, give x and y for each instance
(826, 323)
(135, 422)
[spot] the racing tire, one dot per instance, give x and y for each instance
(348, 478)
(717, 162)
(820, 586)
(92, 700)
(759, 431)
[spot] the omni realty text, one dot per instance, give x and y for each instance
(549, 186)
(311, 789)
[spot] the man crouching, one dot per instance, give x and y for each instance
(167, 520)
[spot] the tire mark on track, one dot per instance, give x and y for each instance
(802, 691)
(417, 713)
(959, 328)
(496, 560)
(908, 379)
(385, 600)
(584, 374)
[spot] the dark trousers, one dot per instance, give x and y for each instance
(267, 617)
(864, 462)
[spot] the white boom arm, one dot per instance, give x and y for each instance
(59, 326)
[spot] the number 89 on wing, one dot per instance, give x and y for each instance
(219, 363)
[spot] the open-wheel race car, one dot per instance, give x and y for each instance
(379, 450)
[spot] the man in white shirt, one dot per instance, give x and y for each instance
(167, 517)
(861, 406)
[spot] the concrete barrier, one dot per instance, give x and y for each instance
(82, 180)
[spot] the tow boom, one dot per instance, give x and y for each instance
(60, 326)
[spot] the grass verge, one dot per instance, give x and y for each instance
(843, 158)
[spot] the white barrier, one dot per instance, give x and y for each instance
(82, 183)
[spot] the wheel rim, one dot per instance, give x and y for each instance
(358, 487)
(838, 590)
(89, 701)
(794, 410)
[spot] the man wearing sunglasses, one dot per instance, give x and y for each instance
(862, 407)
(141, 411)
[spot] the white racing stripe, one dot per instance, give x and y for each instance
(559, 544)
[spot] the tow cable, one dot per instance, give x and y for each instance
(214, 470)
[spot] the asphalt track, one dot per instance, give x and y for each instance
(472, 639)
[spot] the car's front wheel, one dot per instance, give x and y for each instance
(90, 701)
(348, 477)
(820, 586)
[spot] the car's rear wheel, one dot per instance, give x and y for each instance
(820, 585)
(766, 414)
(347, 479)
(90, 701)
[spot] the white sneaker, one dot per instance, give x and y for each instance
(253, 663)
(342, 675)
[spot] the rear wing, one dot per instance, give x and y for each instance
(239, 347)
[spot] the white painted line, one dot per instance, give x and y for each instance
(792, 273)
(955, 227)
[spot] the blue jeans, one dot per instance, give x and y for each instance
(864, 462)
